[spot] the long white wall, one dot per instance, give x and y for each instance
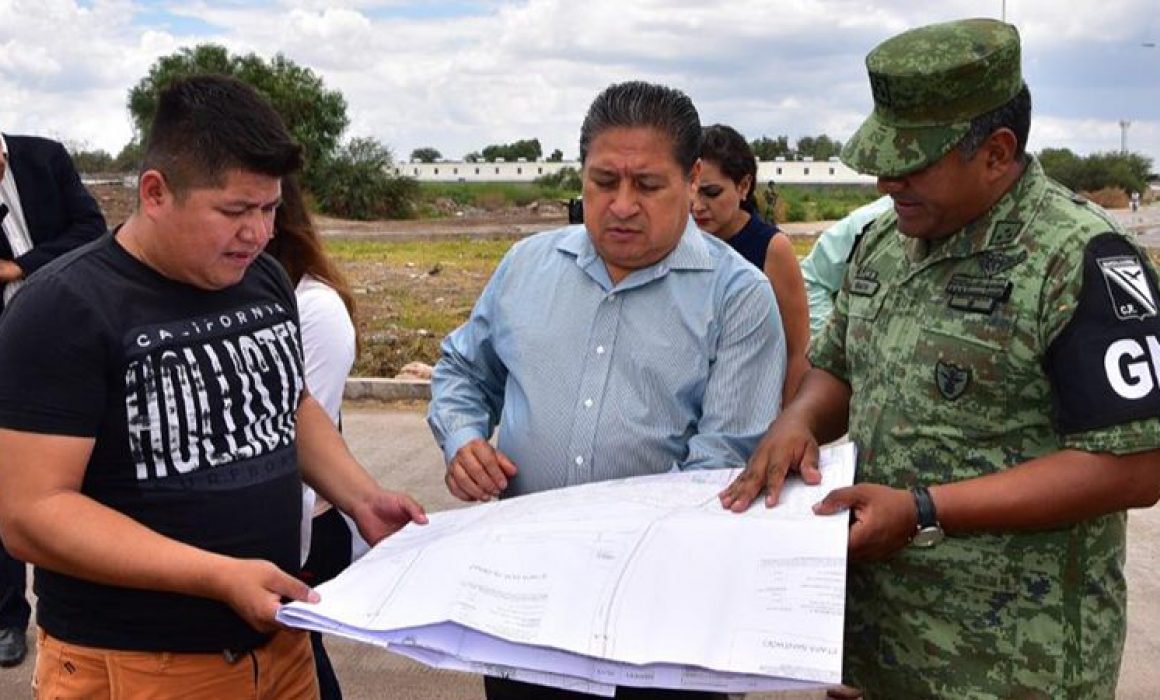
(793, 172)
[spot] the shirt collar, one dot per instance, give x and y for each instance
(691, 253)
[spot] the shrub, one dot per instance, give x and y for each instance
(354, 184)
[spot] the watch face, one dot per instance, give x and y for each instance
(928, 536)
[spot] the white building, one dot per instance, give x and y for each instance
(782, 172)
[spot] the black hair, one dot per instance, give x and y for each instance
(207, 125)
(1014, 114)
(728, 149)
(639, 104)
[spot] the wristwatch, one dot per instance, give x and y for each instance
(929, 532)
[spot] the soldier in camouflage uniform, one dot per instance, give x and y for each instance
(995, 355)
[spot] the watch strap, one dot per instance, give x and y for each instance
(924, 504)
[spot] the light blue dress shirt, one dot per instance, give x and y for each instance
(825, 267)
(680, 365)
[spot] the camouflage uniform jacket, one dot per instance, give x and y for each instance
(948, 347)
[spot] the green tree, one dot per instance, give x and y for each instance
(129, 159)
(473, 157)
(1063, 165)
(354, 183)
(1126, 171)
(556, 157)
(566, 178)
(91, 161)
(314, 115)
(766, 148)
(524, 148)
(426, 155)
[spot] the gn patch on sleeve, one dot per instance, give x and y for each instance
(1104, 366)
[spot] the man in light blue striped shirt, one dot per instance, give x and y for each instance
(634, 344)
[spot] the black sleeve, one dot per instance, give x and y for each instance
(52, 363)
(78, 219)
(1104, 366)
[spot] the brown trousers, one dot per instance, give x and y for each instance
(283, 669)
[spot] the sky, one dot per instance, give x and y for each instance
(460, 75)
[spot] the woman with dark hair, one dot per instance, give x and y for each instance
(329, 346)
(725, 206)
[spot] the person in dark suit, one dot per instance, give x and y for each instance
(45, 211)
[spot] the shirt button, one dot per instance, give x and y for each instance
(599, 349)
(579, 460)
(611, 298)
(587, 403)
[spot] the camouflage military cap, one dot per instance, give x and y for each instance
(928, 83)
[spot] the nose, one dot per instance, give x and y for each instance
(891, 185)
(625, 204)
(257, 226)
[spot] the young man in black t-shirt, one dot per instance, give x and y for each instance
(155, 429)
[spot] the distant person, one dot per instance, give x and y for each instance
(992, 355)
(329, 346)
(155, 428)
(633, 344)
(45, 212)
(825, 267)
(725, 205)
(1135, 201)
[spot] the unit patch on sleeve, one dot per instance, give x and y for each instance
(1104, 366)
(1127, 287)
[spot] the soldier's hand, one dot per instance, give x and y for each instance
(883, 519)
(787, 446)
(478, 472)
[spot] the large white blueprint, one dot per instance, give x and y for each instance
(644, 581)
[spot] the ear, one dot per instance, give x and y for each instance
(153, 192)
(695, 177)
(744, 186)
(998, 153)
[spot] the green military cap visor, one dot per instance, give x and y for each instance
(928, 83)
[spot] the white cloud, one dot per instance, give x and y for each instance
(413, 75)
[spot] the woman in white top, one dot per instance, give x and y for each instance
(329, 347)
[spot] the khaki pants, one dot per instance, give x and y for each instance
(282, 669)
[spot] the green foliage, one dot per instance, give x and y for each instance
(817, 147)
(822, 203)
(564, 179)
(426, 155)
(91, 161)
(766, 148)
(314, 115)
(1126, 171)
(354, 184)
(129, 159)
(526, 148)
(473, 157)
(490, 195)
(556, 157)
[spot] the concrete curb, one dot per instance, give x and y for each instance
(387, 389)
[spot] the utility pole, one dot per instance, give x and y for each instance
(1004, 10)
(1124, 124)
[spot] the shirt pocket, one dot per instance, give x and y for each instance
(963, 378)
(862, 352)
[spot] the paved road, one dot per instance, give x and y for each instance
(395, 445)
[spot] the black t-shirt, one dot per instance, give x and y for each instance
(191, 398)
